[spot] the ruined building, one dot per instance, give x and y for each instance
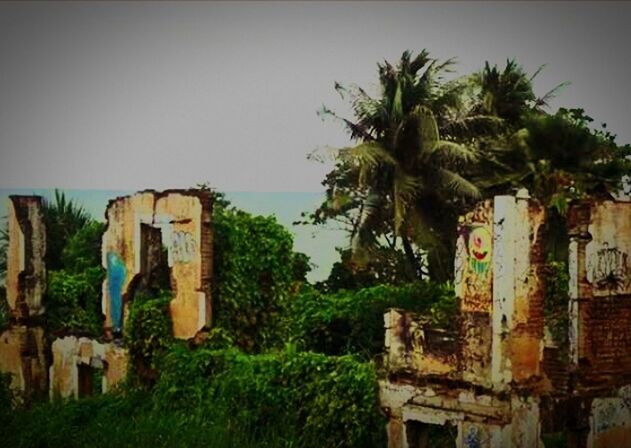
(22, 352)
(514, 370)
(149, 236)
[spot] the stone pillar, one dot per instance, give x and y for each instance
(26, 270)
(22, 344)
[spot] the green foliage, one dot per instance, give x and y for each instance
(73, 301)
(255, 270)
(554, 440)
(405, 178)
(557, 281)
(219, 398)
(310, 398)
(385, 267)
(218, 338)
(63, 219)
(352, 321)
(148, 333)
(83, 249)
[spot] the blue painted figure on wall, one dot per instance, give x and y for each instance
(116, 274)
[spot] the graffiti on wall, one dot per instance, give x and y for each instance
(480, 245)
(183, 246)
(472, 439)
(474, 249)
(116, 275)
(609, 269)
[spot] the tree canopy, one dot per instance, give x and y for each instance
(427, 147)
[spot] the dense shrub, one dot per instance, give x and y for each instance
(83, 249)
(73, 296)
(352, 321)
(73, 301)
(255, 269)
(313, 399)
(148, 334)
(219, 398)
(557, 282)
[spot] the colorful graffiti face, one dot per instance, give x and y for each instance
(480, 246)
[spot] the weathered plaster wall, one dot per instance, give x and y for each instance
(498, 265)
(610, 420)
(600, 288)
(26, 271)
(413, 348)
(70, 352)
(22, 344)
(482, 420)
(474, 287)
(22, 355)
(183, 217)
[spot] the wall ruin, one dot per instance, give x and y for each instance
(22, 344)
(73, 356)
(505, 349)
(138, 226)
(183, 219)
(26, 271)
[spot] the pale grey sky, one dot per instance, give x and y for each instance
(130, 95)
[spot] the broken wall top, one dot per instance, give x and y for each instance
(26, 270)
(183, 218)
(500, 287)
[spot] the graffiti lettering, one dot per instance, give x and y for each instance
(183, 247)
(610, 270)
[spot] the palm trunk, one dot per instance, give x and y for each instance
(411, 257)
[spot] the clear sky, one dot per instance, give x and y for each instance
(134, 95)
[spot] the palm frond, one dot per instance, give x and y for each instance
(405, 190)
(426, 127)
(447, 153)
(458, 184)
(370, 154)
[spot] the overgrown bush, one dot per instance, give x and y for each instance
(73, 296)
(352, 321)
(83, 249)
(148, 334)
(255, 269)
(73, 302)
(557, 281)
(313, 399)
(220, 398)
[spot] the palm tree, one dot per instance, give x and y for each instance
(414, 143)
(63, 218)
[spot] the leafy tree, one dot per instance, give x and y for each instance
(256, 274)
(427, 148)
(403, 182)
(83, 249)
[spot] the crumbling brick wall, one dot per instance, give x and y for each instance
(600, 283)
